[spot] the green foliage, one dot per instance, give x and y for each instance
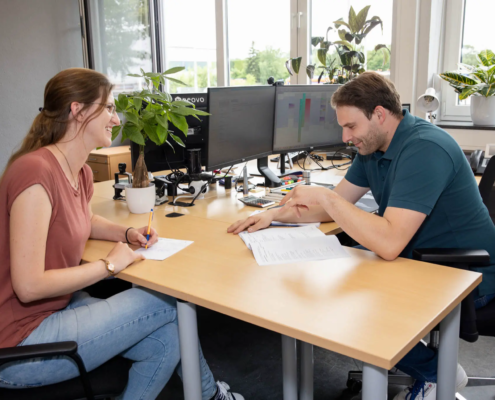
(478, 79)
(151, 122)
(347, 53)
(257, 68)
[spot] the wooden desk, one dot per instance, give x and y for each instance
(105, 162)
(361, 306)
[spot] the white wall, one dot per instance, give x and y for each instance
(38, 38)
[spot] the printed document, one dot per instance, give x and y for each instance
(282, 245)
(164, 248)
(294, 250)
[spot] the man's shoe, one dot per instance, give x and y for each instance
(428, 390)
(223, 393)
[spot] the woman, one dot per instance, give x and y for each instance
(45, 222)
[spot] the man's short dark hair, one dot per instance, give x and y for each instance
(367, 91)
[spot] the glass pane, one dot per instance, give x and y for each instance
(324, 12)
(189, 39)
(474, 36)
(121, 41)
(477, 17)
(258, 40)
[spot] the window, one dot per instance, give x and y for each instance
(121, 41)
(324, 12)
(465, 37)
(189, 40)
(258, 40)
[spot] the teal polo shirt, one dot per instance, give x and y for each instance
(425, 170)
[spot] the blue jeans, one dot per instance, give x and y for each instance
(421, 362)
(138, 324)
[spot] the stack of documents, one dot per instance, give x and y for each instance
(282, 245)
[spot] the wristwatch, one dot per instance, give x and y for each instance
(110, 267)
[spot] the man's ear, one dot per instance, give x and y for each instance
(381, 114)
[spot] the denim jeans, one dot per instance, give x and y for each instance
(421, 362)
(138, 324)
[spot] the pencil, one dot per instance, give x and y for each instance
(149, 228)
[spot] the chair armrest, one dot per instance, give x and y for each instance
(37, 350)
(452, 256)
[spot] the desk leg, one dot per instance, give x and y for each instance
(189, 350)
(447, 354)
(289, 367)
(375, 382)
(306, 371)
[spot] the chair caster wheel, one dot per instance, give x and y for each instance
(354, 385)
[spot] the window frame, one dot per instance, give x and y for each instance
(454, 28)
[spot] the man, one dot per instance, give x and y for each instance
(427, 194)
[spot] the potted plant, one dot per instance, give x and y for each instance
(352, 59)
(148, 113)
(477, 81)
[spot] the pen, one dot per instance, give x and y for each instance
(149, 228)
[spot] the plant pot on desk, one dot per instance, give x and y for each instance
(140, 200)
(483, 110)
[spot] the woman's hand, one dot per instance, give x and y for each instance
(254, 222)
(301, 197)
(121, 256)
(138, 236)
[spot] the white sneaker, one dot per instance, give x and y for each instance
(428, 390)
(223, 393)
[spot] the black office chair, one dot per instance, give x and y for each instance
(106, 381)
(473, 322)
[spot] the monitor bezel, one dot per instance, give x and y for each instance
(306, 147)
(209, 167)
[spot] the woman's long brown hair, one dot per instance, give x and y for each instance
(50, 125)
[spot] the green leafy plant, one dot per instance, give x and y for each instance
(149, 112)
(352, 60)
(478, 80)
(293, 65)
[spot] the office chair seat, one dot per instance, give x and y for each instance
(108, 380)
(485, 319)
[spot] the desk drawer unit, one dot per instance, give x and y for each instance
(105, 162)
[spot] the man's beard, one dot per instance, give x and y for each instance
(373, 141)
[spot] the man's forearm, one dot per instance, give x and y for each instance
(314, 214)
(370, 230)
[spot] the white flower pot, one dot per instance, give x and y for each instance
(483, 110)
(140, 200)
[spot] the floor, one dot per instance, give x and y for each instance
(249, 359)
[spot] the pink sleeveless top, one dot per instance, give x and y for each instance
(69, 229)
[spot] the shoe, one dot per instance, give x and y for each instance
(223, 393)
(428, 390)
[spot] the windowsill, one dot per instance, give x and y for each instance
(463, 125)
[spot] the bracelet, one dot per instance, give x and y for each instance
(126, 239)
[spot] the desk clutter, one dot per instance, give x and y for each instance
(283, 246)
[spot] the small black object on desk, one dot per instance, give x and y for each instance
(119, 187)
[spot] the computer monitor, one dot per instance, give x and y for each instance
(240, 125)
(304, 118)
(160, 158)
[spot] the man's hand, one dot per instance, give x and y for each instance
(254, 222)
(138, 236)
(301, 197)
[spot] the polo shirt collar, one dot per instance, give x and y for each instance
(402, 133)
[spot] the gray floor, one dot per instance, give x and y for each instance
(248, 358)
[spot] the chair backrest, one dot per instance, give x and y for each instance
(486, 187)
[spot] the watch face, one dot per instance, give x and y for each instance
(111, 267)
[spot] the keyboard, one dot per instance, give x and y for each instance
(254, 201)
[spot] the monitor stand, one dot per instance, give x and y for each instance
(271, 178)
(278, 172)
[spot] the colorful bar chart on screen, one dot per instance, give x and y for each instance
(304, 117)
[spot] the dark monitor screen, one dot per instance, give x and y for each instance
(304, 118)
(240, 125)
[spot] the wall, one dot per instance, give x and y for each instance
(37, 40)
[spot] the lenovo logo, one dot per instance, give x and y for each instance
(192, 99)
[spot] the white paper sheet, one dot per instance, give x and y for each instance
(280, 234)
(164, 248)
(295, 250)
